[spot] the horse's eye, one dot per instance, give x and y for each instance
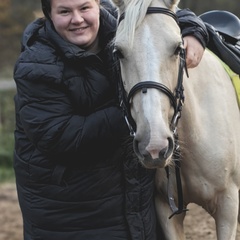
(118, 52)
(178, 49)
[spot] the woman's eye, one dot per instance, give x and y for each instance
(64, 12)
(85, 8)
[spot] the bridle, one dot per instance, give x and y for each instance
(177, 101)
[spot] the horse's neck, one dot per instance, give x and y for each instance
(210, 97)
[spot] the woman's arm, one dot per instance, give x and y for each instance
(195, 36)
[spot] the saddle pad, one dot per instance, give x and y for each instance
(234, 77)
(235, 80)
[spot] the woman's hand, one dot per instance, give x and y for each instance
(194, 51)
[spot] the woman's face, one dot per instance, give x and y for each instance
(77, 21)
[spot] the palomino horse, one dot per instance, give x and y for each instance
(149, 45)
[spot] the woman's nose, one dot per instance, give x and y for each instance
(77, 17)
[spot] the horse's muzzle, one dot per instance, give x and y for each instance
(156, 158)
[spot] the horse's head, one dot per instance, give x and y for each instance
(148, 42)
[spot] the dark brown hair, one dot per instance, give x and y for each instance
(46, 8)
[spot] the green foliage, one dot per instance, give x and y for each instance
(6, 149)
(7, 125)
(7, 110)
(6, 156)
(6, 174)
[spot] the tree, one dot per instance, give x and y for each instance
(14, 17)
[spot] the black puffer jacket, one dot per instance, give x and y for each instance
(76, 174)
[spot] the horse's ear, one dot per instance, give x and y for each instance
(119, 4)
(172, 4)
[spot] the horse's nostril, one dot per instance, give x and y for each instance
(166, 152)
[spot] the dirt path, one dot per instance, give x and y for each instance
(10, 217)
(198, 224)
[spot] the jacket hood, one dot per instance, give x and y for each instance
(31, 32)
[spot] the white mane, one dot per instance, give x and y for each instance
(134, 14)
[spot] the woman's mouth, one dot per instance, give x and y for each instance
(78, 30)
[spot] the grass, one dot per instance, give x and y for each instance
(6, 174)
(7, 126)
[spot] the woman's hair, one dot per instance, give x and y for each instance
(46, 8)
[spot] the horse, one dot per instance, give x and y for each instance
(192, 119)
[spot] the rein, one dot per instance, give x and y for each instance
(177, 102)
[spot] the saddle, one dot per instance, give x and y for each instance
(224, 36)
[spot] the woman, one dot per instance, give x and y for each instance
(76, 174)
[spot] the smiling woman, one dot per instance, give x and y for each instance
(77, 21)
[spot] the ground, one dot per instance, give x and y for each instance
(198, 224)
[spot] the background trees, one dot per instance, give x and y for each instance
(14, 17)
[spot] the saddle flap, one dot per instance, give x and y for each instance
(227, 52)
